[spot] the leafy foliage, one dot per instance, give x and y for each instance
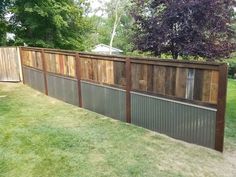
(3, 23)
(185, 27)
(49, 23)
(103, 26)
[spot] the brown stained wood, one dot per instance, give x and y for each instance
(99, 70)
(82, 66)
(61, 62)
(143, 78)
(198, 84)
(128, 74)
(67, 69)
(109, 72)
(181, 79)
(142, 60)
(214, 87)
(71, 64)
(221, 105)
(78, 76)
(103, 71)
(147, 74)
(159, 79)
(39, 59)
(57, 62)
(95, 70)
(30, 59)
(90, 69)
(150, 76)
(44, 72)
(54, 63)
(206, 90)
(119, 73)
(135, 70)
(170, 79)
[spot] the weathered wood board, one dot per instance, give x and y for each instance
(179, 82)
(10, 64)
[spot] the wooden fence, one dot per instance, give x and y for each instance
(185, 100)
(10, 69)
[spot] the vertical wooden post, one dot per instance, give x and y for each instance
(221, 104)
(21, 64)
(128, 89)
(78, 75)
(44, 71)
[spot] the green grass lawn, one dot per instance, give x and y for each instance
(43, 137)
(230, 129)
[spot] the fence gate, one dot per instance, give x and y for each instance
(10, 64)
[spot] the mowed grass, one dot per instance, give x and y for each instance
(230, 128)
(43, 137)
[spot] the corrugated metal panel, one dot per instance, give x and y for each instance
(34, 78)
(182, 121)
(104, 100)
(63, 88)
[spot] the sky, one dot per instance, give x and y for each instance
(96, 4)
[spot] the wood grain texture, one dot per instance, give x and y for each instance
(170, 78)
(147, 76)
(214, 87)
(198, 84)
(119, 73)
(9, 64)
(159, 79)
(181, 79)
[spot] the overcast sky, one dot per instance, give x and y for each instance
(96, 4)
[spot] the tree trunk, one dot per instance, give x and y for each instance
(175, 55)
(116, 22)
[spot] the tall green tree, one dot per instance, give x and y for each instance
(50, 23)
(185, 27)
(113, 25)
(3, 22)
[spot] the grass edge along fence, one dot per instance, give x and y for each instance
(183, 99)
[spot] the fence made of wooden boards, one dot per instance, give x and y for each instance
(10, 69)
(185, 100)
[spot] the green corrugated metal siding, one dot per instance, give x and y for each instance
(62, 88)
(34, 78)
(104, 100)
(183, 121)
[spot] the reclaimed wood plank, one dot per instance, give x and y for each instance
(181, 81)
(159, 79)
(170, 81)
(214, 87)
(198, 84)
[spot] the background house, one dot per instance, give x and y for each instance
(105, 49)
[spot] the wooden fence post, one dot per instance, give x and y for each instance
(128, 89)
(78, 75)
(221, 104)
(21, 64)
(44, 71)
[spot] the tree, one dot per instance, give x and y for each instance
(3, 22)
(184, 27)
(49, 23)
(112, 25)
